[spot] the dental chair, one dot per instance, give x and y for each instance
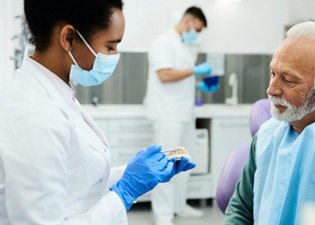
(234, 165)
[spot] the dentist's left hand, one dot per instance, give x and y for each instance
(144, 171)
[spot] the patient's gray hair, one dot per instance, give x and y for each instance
(302, 30)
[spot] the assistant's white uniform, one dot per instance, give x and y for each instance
(170, 101)
(170, 106)
(54, 167)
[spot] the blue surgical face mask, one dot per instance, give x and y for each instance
(189, 37)
(103, 68)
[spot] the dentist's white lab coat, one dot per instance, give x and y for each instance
(54, 169)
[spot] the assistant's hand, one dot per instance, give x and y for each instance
(183, 165)
(144, 171)
(201, 86)
(202, 69)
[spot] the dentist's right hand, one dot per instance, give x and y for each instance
(144, 171)
(202, 69)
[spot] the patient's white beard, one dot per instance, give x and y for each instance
(293, 113)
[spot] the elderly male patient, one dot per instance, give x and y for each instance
(279, 177)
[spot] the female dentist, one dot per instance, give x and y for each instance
(54, 160)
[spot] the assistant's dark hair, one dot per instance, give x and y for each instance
(87, 16)
(197, 12)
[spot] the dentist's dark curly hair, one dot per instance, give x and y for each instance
(87, 16)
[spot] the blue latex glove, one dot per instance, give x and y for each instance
(183, 165)
(144, 171)
(202, 69)
(205, 88)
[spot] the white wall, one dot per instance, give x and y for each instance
(8, 27)
(301, 10)
(249, 26)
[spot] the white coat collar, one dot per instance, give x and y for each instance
(65, 108)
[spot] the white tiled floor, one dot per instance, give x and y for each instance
(141, 214)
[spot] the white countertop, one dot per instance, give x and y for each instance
(138, 111)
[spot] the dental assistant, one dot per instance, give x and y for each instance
(54, 159)
(169, 104)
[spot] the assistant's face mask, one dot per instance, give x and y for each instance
(189, 37)
(103, 68)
